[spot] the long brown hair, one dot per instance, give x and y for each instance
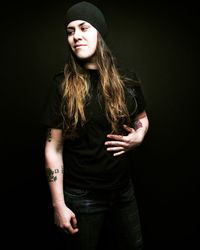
(76, 91)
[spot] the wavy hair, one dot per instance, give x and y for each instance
(76, 87)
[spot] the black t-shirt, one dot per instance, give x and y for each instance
(87, 163)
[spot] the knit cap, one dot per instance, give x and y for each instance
(87, 12)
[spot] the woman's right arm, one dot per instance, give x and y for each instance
(64, 217)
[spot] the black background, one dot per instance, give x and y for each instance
(160, 41)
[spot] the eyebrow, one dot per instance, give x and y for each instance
(72, 27)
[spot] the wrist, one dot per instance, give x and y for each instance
(57, 204)
(140, 135)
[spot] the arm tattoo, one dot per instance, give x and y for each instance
(137, 124)
(51, 177)
(49, 137)
(51, 174)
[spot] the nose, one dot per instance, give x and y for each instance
(77, 35)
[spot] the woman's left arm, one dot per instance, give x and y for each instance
(119, 144)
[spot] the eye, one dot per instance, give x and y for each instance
(84, 28)
(70, 32)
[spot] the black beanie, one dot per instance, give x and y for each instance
(87, 12)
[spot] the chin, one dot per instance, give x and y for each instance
(84, 58)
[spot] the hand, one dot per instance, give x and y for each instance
(65, 219)
(119, 144)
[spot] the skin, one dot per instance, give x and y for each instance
(82, 39)
(64, 218)
(119, 144)
(82, 33)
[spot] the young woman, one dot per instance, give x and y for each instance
(95, 117)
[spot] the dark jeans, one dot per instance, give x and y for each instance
(112, 214)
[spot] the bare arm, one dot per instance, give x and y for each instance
(64, 217)
(119, 144)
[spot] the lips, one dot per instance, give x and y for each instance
(79, 45)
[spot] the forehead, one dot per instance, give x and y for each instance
(77, 23)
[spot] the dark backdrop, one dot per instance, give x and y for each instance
(160, 41)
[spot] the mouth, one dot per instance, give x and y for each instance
(79, 46)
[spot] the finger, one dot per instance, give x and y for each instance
(115, 149)
(115, 137)
(71, 230)
(116, 144)
(119, 153)
(74, 222)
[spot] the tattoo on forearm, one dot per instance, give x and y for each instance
(137, 124)
(56, 171)
(51, 174)
(49, 137)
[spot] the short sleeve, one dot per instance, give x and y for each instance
(51, 116)
(140, 99)
(134, 94)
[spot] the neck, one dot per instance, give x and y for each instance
(90, 65)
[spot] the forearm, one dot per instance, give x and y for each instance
(63, 216)
(54, 165)
(141, 125)
(54, 173)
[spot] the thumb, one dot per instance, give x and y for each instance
(74, 222)
(128, 129)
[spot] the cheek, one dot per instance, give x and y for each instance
(69, 41)
(94, 43)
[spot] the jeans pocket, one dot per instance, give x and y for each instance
(75, 192)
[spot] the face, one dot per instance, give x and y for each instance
(82, 38)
